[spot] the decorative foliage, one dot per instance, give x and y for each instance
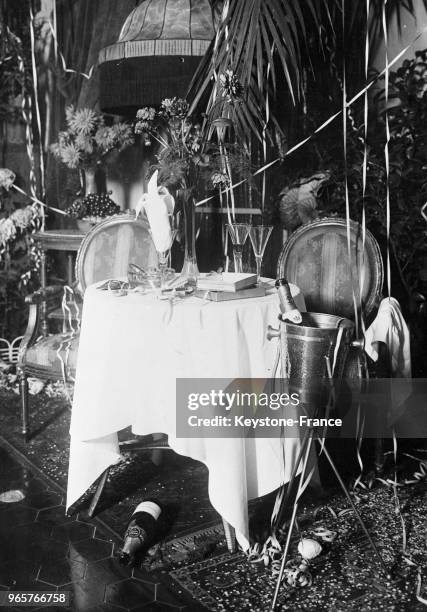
(272, 46)
(15, 73)
(186, 158)
(18, 256)
(407, 112)
(19, 221)
(87, 139)
(298, 202)
(13, 223)
(7, 178)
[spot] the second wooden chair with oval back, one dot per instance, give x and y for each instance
(339, 270)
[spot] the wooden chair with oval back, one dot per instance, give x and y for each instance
(104, 253)
(317, 257)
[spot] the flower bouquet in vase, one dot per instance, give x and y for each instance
(84, 146)
(189, 163)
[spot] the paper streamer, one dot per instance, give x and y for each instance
(26, 115)
(361, 424)
(68, 335)
(386, 146)
(37, 109)
(37, 201)
(62, 58)
(347, 199)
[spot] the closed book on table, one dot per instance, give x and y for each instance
(227, 281)
(223, 296)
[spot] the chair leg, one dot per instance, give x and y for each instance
(230, 536)
(98, 493)
(23, 392)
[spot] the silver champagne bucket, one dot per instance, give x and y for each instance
(312, 352)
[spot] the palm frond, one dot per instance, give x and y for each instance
(269, 42)
(259, 41)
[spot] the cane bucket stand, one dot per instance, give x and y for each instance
(316, 258)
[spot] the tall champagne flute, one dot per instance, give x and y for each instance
(238, 234)
(259, 236)
(164, 261)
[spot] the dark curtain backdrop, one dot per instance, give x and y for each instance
(83, 28)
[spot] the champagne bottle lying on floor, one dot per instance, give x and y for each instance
(140, 531)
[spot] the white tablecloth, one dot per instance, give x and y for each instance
(132, 349)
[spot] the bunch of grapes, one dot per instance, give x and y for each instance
(77, 210)
(93, 205)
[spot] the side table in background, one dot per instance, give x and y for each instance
(67, 240)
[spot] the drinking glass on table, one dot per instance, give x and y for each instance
(238, 234)
(164, 262)
(259, 236)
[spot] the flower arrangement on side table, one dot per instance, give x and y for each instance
(84, 146)
(87, 139)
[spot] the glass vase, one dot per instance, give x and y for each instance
(190, 270)
(90, 181)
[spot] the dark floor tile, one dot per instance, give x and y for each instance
(15, 478)
(36, 486)
(129, 593)
(7, 462)
(53, 516)
(15, 516)
(107, 571)
(142, 574)
(33, 542)
(18, 571)
(73, 532)
(44, 499)
(91, 550)
(62, 572)
(87, 594)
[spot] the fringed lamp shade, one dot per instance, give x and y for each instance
(158, 50)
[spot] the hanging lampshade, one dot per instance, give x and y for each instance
(159, 48)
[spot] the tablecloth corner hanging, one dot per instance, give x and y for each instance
(158, 50)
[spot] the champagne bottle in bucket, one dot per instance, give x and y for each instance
(140, 530)
(288, 307)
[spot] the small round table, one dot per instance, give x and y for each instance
(134, 347)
